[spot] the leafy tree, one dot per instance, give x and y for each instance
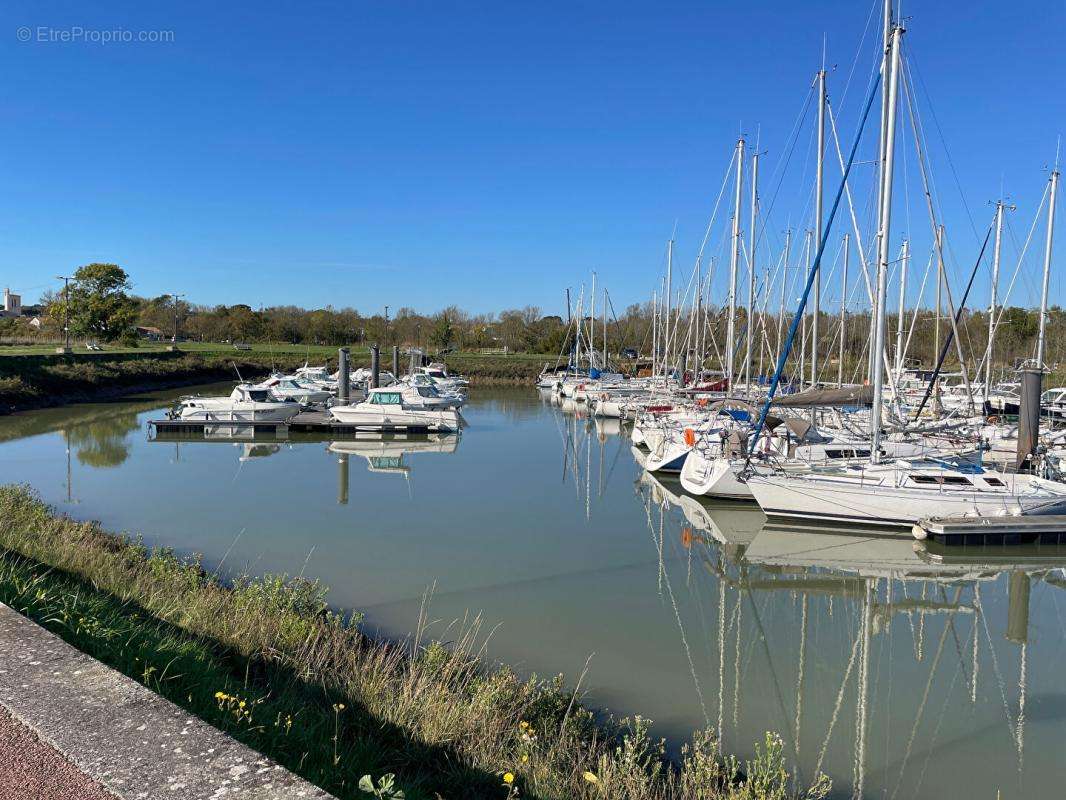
(100, 307)
(443, 332)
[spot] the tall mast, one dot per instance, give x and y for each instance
(1047, 266)
(592, 324)
(904, 256)
(992, 297)
(819, 180)
(807, 236)
(884, 240)
(939, 287)
(605, 327)
(654, 332)
(751, 270)
(669, 298)
(843, 310)
(730, 329)
(784, 282)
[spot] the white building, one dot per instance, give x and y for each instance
(12, 305)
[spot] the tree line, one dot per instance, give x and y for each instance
(103, 308)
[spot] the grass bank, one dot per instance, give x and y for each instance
(267, 661)
(40, 380)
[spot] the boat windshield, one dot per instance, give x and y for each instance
(385, 398)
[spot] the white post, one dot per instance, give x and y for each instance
(1047, 268)
(730, 328)
(884, 233)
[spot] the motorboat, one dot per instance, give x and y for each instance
(287, 388)
(386, 409)
(246, 403)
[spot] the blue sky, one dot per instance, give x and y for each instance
(481, 154)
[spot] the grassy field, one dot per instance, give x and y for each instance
(267, 661)
(215, 348)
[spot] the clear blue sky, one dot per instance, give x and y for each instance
(482, 154)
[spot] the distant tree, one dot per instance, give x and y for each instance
(100, 307)
(442, 332)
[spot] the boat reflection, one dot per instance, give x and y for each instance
(871, 656)
(385, 454)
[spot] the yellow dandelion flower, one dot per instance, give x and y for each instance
(508, 778)
(523, 725)
(591, 777)
(219, 695)
(525, 758)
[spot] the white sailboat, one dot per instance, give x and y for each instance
(899, 493)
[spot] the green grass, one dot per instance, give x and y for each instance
(267, 661)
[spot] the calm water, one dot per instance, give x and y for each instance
(900, 673)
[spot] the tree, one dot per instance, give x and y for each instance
(99, 306)
(442, 332)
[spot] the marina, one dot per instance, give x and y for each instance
(875, 657)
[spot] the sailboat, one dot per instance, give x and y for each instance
(901, 492)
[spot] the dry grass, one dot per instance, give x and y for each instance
(267, 661)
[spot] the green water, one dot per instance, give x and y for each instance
(898, 672)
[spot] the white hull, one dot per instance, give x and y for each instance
(389, 418)
(713, 477)
(879, 503)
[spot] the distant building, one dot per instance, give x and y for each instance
(149, 333)
(12, 305)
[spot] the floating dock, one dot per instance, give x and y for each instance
(316, 423)
(1005, 530)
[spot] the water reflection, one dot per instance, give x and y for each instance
(899, 670)
(882, 661)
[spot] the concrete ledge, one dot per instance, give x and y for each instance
(126, 737)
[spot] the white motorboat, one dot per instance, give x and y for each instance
(286, 388)
(246, 403)
(385, 409)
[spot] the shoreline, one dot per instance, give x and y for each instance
(265, 660)
(29, 383)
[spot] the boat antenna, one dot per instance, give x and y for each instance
(235, 369)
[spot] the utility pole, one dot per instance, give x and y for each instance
(66, 312)
(176, 297)
(730, 328)
(1047, 267)
(386, 326)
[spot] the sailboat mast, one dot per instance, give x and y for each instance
(669, 299)
(784, 282)
(1047, 267)
(654, 332)
(592, 325)
(992, 297)
(904, 256)
(819, 180)
(884, 233)
(730, 328)
(751, 271)
(843, 310)
(605, 327)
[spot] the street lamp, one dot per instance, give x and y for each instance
(177, 297)
(66, 312)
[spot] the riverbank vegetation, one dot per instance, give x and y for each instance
(101, 309)
(267, 661)
(35, 381)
